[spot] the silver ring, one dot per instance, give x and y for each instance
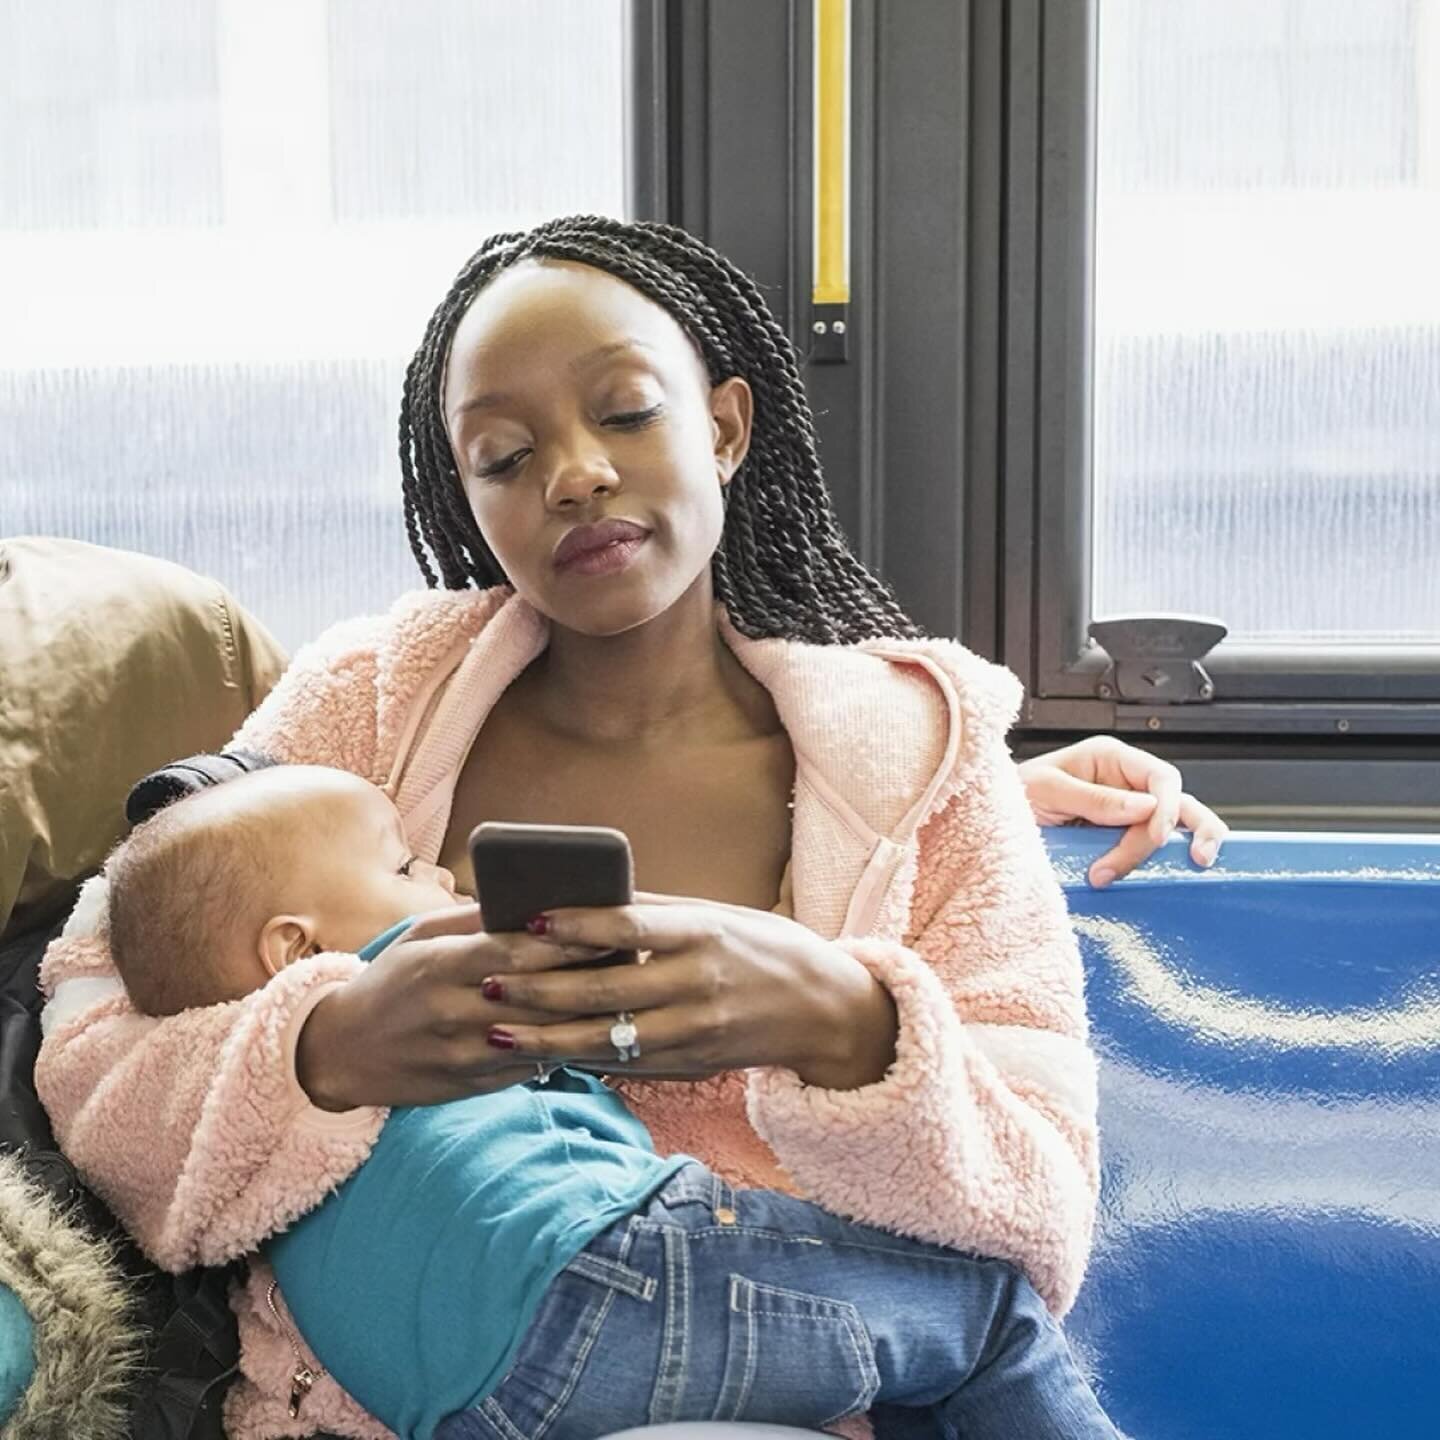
(625, 1037)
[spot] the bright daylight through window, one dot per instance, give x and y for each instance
(1267, 316)
(223, 225)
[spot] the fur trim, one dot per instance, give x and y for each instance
(91, 915)
(78, 996)
(83, 946)
(87, 1343)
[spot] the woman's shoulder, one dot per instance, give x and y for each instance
(884, 681)
(888, 725)
(346, 691)
(416, 620)
(988, 695)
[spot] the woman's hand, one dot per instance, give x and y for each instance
(717, 987)
(1106, 782)
(411, 1028)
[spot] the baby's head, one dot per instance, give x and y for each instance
(225, 888)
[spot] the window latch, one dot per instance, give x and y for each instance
(1155, 659)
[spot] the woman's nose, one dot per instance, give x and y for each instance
(578, 472)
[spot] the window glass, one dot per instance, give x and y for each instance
(1267, 317)
(223, 226)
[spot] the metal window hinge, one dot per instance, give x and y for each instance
(1155, 659)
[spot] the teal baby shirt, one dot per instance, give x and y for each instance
(413, 1283)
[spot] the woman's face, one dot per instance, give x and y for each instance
(571, 399)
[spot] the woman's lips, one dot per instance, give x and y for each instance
(594, 536)
(607, 560)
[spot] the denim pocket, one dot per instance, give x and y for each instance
(793, 1358)
(541, 1384)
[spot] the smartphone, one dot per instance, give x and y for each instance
(521, 870)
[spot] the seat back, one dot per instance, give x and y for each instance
(1267, 1256)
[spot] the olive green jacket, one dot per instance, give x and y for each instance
(111, 665)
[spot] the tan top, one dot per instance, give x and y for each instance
(113, 663)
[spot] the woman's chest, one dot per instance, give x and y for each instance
(708, 821)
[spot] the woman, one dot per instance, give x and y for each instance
(862, 985)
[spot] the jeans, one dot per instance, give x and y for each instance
(715, 1304)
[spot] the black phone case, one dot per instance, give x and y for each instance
(521, 870)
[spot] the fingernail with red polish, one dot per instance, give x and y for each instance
(492, 989)
(500, 1039)
(538, 924)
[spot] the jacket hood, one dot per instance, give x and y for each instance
(885, 725)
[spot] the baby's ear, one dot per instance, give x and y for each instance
(286, 939)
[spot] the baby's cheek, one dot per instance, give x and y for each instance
(433, 897)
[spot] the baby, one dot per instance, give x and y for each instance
(256, 873)
(523, 1261)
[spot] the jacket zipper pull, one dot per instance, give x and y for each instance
(303, 1377)
(300, 1385)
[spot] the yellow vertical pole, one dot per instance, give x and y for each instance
(831, 269)
(832, 152)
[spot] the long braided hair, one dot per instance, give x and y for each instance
(783, 567)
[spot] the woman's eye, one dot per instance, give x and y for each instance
(499, 467)
(632, 419)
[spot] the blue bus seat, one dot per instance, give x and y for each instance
(1267, 1254)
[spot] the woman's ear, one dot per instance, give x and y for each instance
(731, 409)
(286, 939)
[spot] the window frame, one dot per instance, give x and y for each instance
(1049, 221)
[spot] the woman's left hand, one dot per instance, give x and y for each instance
(717, 987)
(1104, 781)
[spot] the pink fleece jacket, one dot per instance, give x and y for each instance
(913, 848)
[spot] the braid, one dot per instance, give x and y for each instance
(783, 567)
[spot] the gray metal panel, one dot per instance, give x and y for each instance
(1064, 254)
(1047, 208)
(647, 168)
(920, 160)
(1361, 794)
(1020, 357)
(688, 41)
(748, 211)
(978, 622)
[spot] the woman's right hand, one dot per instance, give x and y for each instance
(411, 1028)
